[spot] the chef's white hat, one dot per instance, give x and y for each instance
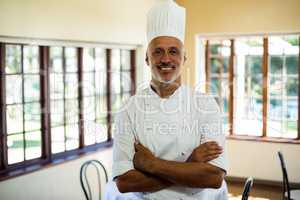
(166, 19)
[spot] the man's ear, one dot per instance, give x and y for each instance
(147, 59)
(184, 58)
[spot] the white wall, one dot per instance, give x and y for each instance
(116, 21)
(60, 182)
(260, 160)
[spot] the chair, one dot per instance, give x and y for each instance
(287, 192)
(85, 184)
(247, 188)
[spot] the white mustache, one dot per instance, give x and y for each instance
(166, 65)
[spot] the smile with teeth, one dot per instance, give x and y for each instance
(166, 68)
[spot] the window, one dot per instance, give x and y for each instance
(248, 78)
(255, 80)
(94, 95)
(283, 91)
(218, 62)
(59, 101)
(64, 101)
(22, 107)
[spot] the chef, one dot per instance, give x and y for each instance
(168, 140)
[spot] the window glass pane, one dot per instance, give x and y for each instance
(101, 107)
(71, 86)
(276, 64)
(287, 45)
(31, 88)
(100, 82)
(281, 120)
(88, 60)
(275, 88)
(101, 130)
(126, 60)
(292, 108)
(32, 116)
(126, 82)
(58, 139)
(116, 101)
(291, 128)
(254, 86)
(225, 62)
(56, 86)
(33, 145)
(225, 125)
(115, 60)
(14, 119)
(225, 50)
(89, 108)
(57, 113)
(15, 145)
(248, 119)
(247, 114)
(254, 64)
(72, 137)
(215, 48)
(71, 111)
(88, 84)
(116, 80)
(56, 59)
(283, 102)
(215, 86)
(249, 45)
(215, 65)
(220, 52)
(89, 132)
(100, 62)
(13, 89)
(31, 59)
(291, 63)
(13, 59)
(71, 59)
(292, 87)
(275, 109)
(225, 105)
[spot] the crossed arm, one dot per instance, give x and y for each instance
(153, 174)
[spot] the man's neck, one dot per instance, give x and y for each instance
(164, 90)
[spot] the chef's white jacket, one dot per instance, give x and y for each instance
(171, 128)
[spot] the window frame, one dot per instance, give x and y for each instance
(47, 158)
(265, 81)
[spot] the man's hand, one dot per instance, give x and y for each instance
(205, 152)
(189, 174)
(143, 158)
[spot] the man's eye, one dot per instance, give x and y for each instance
(174, 52)
(157, 52)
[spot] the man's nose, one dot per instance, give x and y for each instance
(165, 58)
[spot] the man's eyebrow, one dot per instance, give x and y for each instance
(170, 47)
(157, 49)
(174, 48)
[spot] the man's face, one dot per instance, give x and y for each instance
(165, 56)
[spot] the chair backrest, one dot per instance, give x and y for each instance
(286, 184)
(84, 181)
(247, 188)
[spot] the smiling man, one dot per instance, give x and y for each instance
(168, 141)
